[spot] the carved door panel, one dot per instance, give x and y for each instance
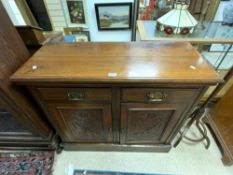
(148, 123)
(84, 123)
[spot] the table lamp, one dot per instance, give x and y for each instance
(177, 21)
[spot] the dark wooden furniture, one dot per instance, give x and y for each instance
(31, 35)
(117, 96)
(40, 13)
(197, 7)
(22, 124)
(221, 123)
(34, 37)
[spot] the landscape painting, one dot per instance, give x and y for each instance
(114, 16)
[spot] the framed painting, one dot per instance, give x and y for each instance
(80, 35)
(114, 16)
(75, 12)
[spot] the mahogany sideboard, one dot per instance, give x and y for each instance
(116, 96)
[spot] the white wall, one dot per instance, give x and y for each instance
(56, 12)
(13, 11)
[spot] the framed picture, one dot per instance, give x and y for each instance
(75, 12)
(114, 16)
(80, 35)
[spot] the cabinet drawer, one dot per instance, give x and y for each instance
(157, 94)
(76, 94)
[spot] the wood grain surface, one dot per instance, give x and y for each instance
(222, 118)
(150, 62)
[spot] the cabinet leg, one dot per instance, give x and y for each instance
(59, 149)
(228, 161)
(56, 144)
(227, 158)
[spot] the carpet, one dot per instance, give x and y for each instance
(27, 163)
(93, 172)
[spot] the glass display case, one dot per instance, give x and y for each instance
(214, 32)
(214, 42)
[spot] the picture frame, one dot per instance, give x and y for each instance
(114, 16)
(79, 33)
(75, 13)
(71, 30)
(82, 36)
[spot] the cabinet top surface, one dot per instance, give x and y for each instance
(160, 62)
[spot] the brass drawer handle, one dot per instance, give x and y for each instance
(156, 96)
(76, 96)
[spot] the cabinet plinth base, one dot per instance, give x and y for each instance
(116, 147)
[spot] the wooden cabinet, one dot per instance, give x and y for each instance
(116, 115)
(117, 96)
(147, 116)
(221, 123)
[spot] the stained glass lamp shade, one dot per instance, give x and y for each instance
(177, 21)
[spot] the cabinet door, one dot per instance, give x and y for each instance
(148, 123)
(84, 123)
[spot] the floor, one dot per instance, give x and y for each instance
(186, 159)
